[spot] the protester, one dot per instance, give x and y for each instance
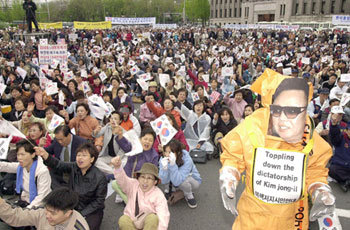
(58, 213)
(39, 98)
(339, 133)
(197, 130)
(177, 167)
(180, 136)
(33, 178)
(280, 125)
(64, 148)
(167, 106)
(37, 133)
(20, 105)
(198, 62)
(147, 207)
(146, 115)
(222, 123)
(236, 104)
(114, 143)
(85, 179)
(317, 105)
(129, 121)
(50, 111)
(83, 123)
(134, 163)
(248, 110)
(122, 97)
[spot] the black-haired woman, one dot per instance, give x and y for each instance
(85, 179)
(33, 178)
(177, 167)
(222, 123)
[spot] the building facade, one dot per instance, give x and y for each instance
(224, 12)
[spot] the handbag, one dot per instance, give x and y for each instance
(199, 156)
(140, 218)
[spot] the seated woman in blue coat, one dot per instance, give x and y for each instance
(176, 167)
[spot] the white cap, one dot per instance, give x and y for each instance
(337, 109)
(279, 65)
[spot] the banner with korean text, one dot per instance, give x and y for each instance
(341, 19)
(49, 53)
(54, 25)
(92, 25)
(131, 21)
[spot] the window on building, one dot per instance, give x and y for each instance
(230, 1)
(211, 13)
(216, 13)
(220, 13)
(220, 1)
(313, 7)
(212, 2)
(230, 13)
(246, 12)
(304, 8)
(240, 11)
(216, 2)
(225, 13)
(342, 6)
(322, 6)
(332, 7)
(225, 1)
(235, 13)
(281, 9)
(296, 8)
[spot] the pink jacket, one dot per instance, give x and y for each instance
(146, 114)
(236, 108)
(153, 200)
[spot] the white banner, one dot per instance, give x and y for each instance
(278, 176)
(72, 37)
(4, 147)
(131, 21)
(164, 26)
(47, 53)
(341, 19)
(262, 26)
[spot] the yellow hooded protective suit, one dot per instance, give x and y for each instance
(275, 208)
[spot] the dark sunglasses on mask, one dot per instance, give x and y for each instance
(290, 112)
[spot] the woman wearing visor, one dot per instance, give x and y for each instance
(284, 160)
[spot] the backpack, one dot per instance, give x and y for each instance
(8, 184)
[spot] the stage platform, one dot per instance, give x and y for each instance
(27, 36)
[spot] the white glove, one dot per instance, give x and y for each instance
(164, 162)
(228, 184)
(172, 158)
(323, 202)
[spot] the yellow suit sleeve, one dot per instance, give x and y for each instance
(316, 168)
(232, 151)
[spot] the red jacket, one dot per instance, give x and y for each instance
(16, 139)
(180, 136)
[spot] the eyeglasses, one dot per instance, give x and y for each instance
(146, 178)
(290, 112)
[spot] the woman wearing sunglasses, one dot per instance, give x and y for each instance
(284, 160)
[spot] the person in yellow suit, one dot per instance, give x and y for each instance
(283, 158)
